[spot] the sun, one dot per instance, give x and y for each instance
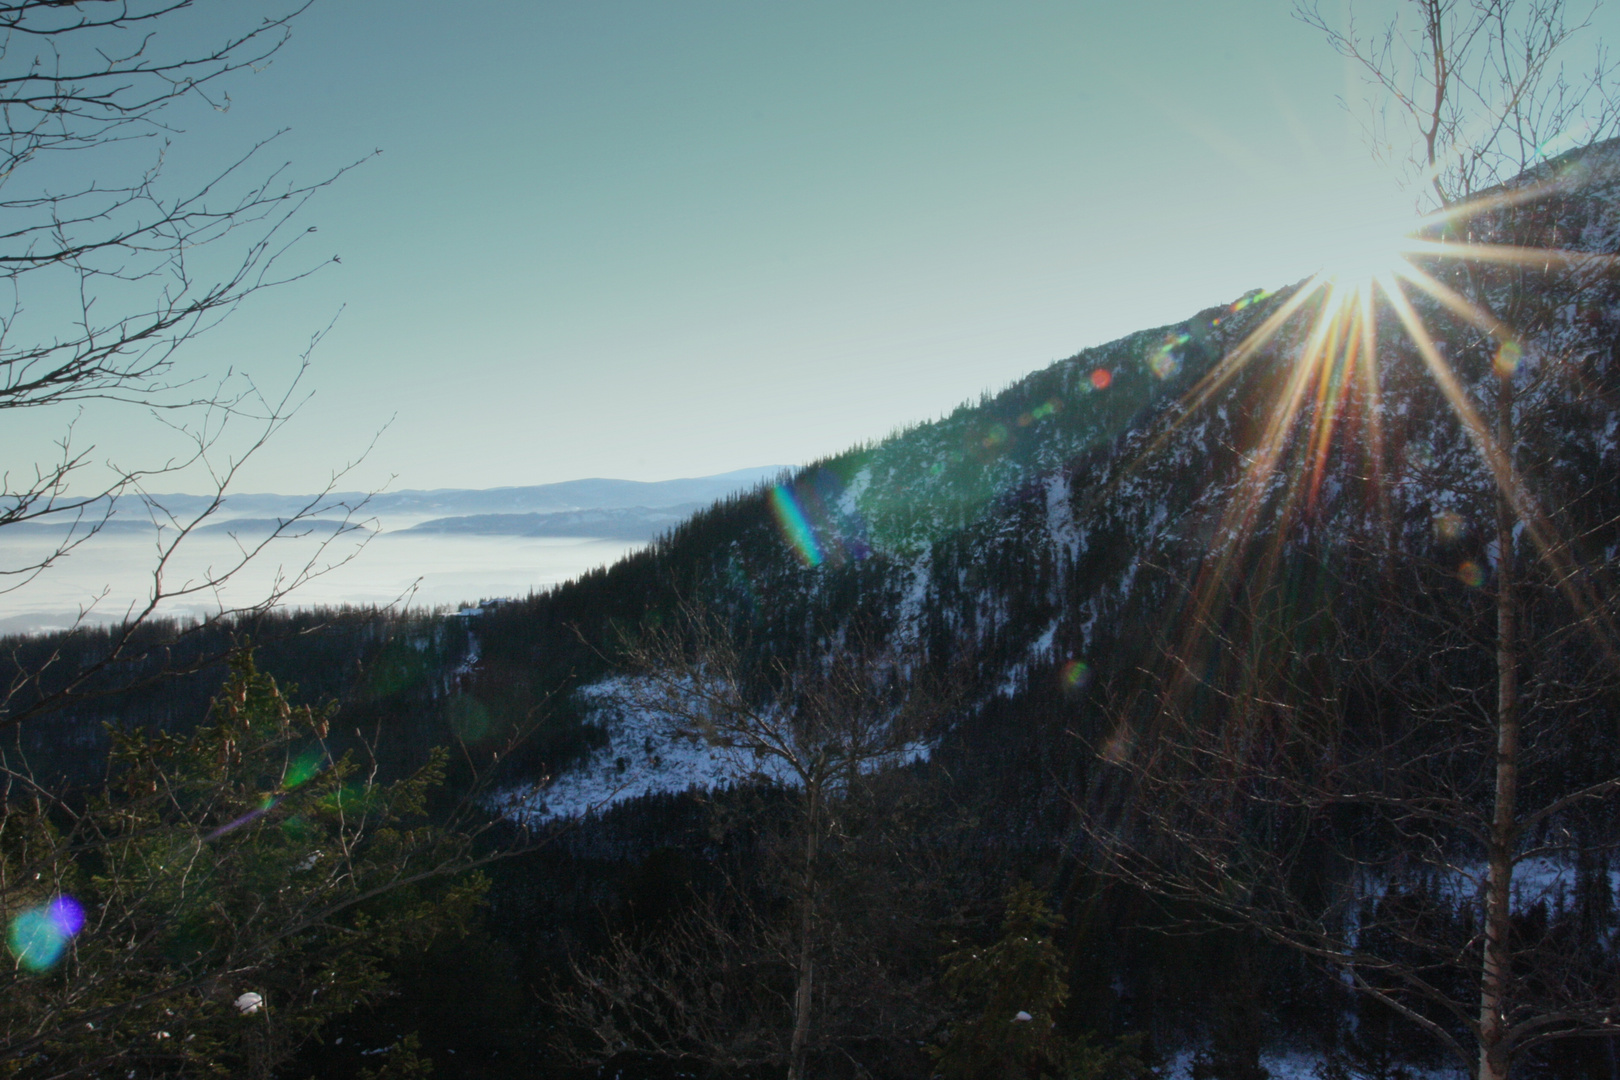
(1355, 254)
(1371, 272)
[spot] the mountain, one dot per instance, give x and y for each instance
(637, 499)
(1073, 522)
(1222, 595)
(1226, 589)
(629, 523)
(571, 495)
(144, 527)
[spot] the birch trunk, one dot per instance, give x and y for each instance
(1497, 960)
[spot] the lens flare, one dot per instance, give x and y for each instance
(39, 936)
(1165, 361)
(1074, 675)
(469, 718)
(268, 804)
(1248, 298)
(1331, 393)
(1117, 748)
(1101, 378)
(795, 526)
(1449, 527)
(303, 769)
(1506, 361)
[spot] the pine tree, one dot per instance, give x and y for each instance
(1012, 991)
(222, 896)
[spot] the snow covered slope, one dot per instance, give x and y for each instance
(1051, 532)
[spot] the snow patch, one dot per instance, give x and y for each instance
(644, 755)
(917, 577)
(1296, 1065)
(647, 753)
(1060, 523)
(470, 662)
(849, 501)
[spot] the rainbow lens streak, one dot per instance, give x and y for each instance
(247, 818)
(790, 518)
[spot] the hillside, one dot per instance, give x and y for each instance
(1200, 631)
(1064, 520)
(1198, 564)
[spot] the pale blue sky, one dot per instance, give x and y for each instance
(666, 238)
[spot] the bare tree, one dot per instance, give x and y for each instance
(1483, 90)
(1420, 792)
(1467, 94)
(230, 888)
(113, 268)
(706, 985)
(1338, 796)
(824, 726)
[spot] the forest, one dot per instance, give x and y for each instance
(1016, 707)
(1236, 699)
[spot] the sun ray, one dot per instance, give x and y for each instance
(1330, 388)
(1257, 339)
(1331, 393)
(1504, 254)
(1257, 482)
(1226, 369)
(1572, 582)
(1336, 371)
(1503, 198)
(1452, 389)
(1373, 396)
(1456, 302)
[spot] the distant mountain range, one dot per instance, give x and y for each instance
(597, 507)
(613, 523)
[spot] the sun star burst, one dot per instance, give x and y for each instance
(1331, 393)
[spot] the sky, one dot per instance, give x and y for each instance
(645, 239)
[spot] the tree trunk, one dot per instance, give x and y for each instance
(800, 1046)
(1497, 960)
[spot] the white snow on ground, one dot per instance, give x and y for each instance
(1060, 523)
(469, 663)
(849, 503)
(1536, 878)
(919, 575)
(1041, 647)
(1296, 1065)
(643, 756)
(647, 754)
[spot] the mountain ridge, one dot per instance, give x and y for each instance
(1067, 523)
(562, 497)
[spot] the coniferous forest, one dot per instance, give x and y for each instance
(1126, 698)
(1236, 699)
